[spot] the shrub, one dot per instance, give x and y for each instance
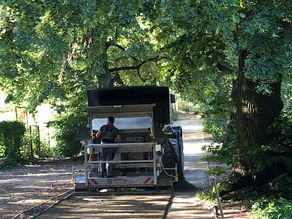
(283, 185)
(11, 136)
(272, 209)
(70, 129)
(271, 162)
(215, 125)
(274, 160)
(34, 140)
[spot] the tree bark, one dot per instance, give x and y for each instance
(105, 79)
(254, 113)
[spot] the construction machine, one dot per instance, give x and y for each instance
(150, 152)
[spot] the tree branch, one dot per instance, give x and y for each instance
(139, 75)
(118, 46)
(138, 66)
(124, 49)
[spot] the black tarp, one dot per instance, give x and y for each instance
(132, 96)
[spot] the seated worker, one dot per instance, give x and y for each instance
(108, 134)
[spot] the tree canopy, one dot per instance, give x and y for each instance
(54, 50)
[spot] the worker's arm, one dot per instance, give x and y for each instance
(98, 134)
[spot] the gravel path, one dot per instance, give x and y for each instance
(25, 186)
(186, 205)
(194, 140)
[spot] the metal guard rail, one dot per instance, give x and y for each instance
(116, 145)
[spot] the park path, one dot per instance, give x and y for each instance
(22, 187)
(194, 140)
(185, 204)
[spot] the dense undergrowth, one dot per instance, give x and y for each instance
(11, 141)
(21, 145)
(71, 128)
(272, 208)
(268, 190)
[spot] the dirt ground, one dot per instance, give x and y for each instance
(25, 186)
(109, 207)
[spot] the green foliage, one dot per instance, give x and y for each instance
(185, 106)
(215, 125)
(216, 171)
(283, 185)
(272, 209)
(11, 136)
(222, 154)
(40, 148)
(71, 128)
(15, 143)
(26, 149)
(276, 158)
(207, 196)
(54, 50)
(287, 93)
(210, 194)
(47, 152)
(271, 163)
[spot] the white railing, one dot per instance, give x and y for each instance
(147, 147)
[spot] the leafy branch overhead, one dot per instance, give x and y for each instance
(54, 51)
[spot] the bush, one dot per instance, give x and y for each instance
(11, 136)
(70, 129)
(283, 185)
(215, 115)
(186, 106)
(272, 209)
(209, 195)
(274, 161)
(215, 125)
(271, 162)
(40, 148)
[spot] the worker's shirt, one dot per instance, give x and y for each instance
(108, 132)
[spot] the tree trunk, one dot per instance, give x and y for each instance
(105, 79)
(254, 112)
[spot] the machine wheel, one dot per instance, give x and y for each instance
(169, 158)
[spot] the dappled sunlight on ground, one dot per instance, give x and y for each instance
(25, 186)
(119, 206)
(195, 168)
(185, 205)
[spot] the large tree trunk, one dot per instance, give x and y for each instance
(105, 79)
(254, 113)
